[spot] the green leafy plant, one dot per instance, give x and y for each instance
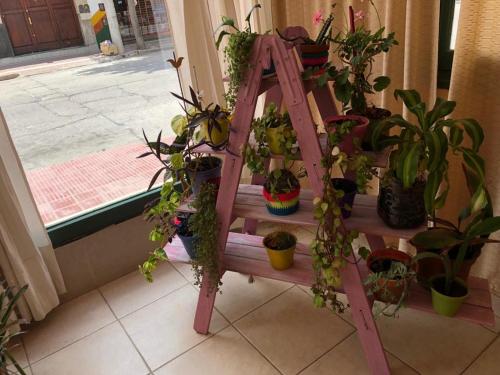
(204, 223)
(379, 284)
(257, 154)
(357, 49)
(8, 300)
(236, 53)
(358, 162)
(420, 149)
(281, 181)
(333, 244)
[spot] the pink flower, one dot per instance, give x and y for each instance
(359, 15)
(317, 17)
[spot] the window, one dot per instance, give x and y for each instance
(448, 25)
(76, 116)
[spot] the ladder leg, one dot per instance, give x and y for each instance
(206, 301)
(363, 318)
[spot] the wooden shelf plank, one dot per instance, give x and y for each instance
(364, 218)
(379, 158)
(245, 254)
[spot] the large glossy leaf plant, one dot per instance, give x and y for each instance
(420, 149)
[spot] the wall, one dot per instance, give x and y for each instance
(85, 23)
(103, 256)
(5, 46)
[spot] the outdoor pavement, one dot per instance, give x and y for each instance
(78, 130)
(62, 115)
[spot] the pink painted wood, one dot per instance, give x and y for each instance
(231, 171)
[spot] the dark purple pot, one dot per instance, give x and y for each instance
(349, 188)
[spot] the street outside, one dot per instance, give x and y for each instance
(63, 115)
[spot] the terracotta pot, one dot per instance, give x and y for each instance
(429, 268)
(357, 131)
(374, 115)
(395, 288)
(313, 55)
(401, 208)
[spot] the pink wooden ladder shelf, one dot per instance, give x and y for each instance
(244, 252)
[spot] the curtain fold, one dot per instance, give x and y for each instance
(474, 86)
(26, 254)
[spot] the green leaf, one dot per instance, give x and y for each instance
(343, 92)
(363, 252)
(410, 165)
(413, 102)
(437, 144)
(436, 238)
(485, 227)
(256, 6)
(431, 189)
(479, 200)
(475, 132)
(342, 77)
(442, 108)
(381, 83)
(179, 124)
(456, 136)
(221, 36)
(474, 162)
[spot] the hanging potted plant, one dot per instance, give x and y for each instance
(280, 247)
(389, 278)
(237, 52)
(281, 192)
(416, 181)
(357, 50)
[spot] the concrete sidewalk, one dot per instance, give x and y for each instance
(65, 58)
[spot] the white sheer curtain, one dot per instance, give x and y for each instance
(26, 254)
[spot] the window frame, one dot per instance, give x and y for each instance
(445, 54)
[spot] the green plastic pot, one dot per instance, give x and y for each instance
(447, 305)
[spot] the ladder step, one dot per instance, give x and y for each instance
(380, 158)
(251, 204)
(246, 254)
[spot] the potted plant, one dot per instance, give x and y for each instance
(357, 49)
(416, 181)
(185, 234)
(349, 190)
(314, 52)
(237, 52)
(389, 278)
(351, 126)
(273, 133)
(444, 237)
(281, 192)
(280, 247)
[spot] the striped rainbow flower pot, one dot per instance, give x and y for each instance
(314, 55)
(282, 204)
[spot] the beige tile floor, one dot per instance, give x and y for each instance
(130, 327)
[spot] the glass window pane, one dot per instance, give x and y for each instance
(76, 115)
(456, 14)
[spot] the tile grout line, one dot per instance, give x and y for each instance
(326, 352)
(26, 354)
(257, 349)
(497, 337)
(126, 333)
(399, 359)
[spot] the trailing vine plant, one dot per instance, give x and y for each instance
(333, 244)
(204, 223)
(236, 53)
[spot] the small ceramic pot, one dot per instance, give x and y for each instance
(280, 259)
(282, 204)
(444, 304)
(394, 288)
(189, 243)
(357, 131)
(313, 55)
(349, 188)
(216, 137)
(375, 116)
(211, 176)
(401, 208)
